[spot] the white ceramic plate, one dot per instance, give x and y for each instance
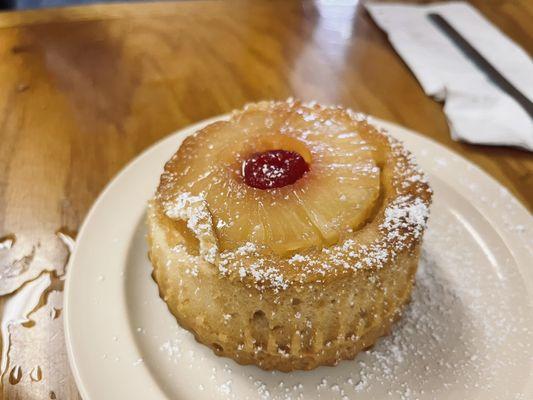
(468, 333)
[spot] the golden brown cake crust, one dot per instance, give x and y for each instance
(312, 306)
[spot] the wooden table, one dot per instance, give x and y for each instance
(84, 90)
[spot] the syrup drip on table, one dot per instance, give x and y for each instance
(6, 242)
(16, 310)
(36, 374)
(15, 375)
(13, 262)
(273, 169)
(17, 307)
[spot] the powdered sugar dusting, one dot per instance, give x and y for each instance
(405, 214)
(194, 210)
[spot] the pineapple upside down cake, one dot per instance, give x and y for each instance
(288, 236)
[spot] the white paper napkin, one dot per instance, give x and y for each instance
(476, 109)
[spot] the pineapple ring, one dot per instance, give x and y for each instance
(337, 195)
(299, 276)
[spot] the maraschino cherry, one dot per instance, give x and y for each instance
(273, 169)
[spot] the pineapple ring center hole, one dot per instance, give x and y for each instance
(276, 160)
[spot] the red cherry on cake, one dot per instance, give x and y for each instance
(273, 169)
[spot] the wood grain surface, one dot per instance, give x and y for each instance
(84, 90)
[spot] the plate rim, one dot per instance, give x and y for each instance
(519, 208)
(84, 393)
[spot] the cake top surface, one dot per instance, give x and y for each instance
(362, 202)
